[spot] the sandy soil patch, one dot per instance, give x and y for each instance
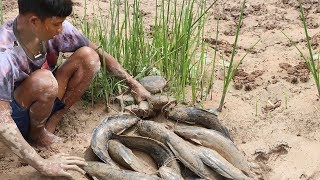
(274, 119)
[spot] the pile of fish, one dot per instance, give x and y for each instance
(152, 106)
(195, 146)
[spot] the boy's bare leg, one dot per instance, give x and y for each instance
(37, 93)
(74, 77)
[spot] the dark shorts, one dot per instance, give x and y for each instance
(21, 117)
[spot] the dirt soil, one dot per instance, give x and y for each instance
(274, 116)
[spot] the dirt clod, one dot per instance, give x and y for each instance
(243, 79)
(274, 152)
(296, 73)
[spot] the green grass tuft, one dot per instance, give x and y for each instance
(170, 48)
(312, 66)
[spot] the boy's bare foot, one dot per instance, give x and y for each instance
(53, 121)
(46, 138)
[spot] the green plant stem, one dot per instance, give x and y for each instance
(230, 73)
(214, 60)
(313, 68)
(171, 46)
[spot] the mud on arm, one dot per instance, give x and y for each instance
(12, 138)
(57, 165)
(116, 69)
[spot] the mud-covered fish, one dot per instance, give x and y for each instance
(193, 178)
(214, 160)
(169, 174)
(142, 110)
(150, 108)
(104, 171)
(103, 132)
(158, 102)
(193, 115)
(157, 150)
(183, 150)
(216, 141)
(125, 157)
(153, 84)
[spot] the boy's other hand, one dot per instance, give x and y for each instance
(60, 164)
(140, 93)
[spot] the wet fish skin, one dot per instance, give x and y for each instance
(193, 178)
(157, 150)
(214, 160)
(153, 84)
(103, 132)
(169, 174)
(104, 171)
(216, 141)
(190, 158)
(199, 116)
(183, 150)
(125, 157)
(142, 110)
(97, 169)
(153, 130)
(157, 102)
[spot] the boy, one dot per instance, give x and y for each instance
(34, 95)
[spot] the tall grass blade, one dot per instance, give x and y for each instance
(229, 75)
(314, 68)
(169, 49)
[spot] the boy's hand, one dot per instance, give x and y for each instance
(59, 165)
(140, 93)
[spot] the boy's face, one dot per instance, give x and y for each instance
(49, 27)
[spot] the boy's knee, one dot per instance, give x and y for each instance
(90, 59)
(44, 83)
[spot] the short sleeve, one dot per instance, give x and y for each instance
(7, 76)
(69, 40)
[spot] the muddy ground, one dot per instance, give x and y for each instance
(271, 109)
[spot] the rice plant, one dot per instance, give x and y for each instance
(312, 66)
(175, 45)
(231, 69)
(176, 38)
(210, 84)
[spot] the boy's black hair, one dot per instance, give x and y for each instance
(46, 8)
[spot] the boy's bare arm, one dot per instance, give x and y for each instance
(116, 69)
(11, 136)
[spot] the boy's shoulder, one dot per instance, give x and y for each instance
(69, 40)
(69, 30)
(10, 54)
(7, 37)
